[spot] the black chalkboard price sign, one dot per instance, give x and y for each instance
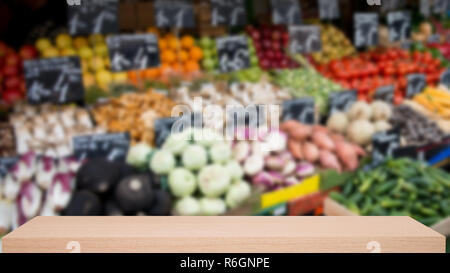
(385, 93)
(329, 9)
(384, 144)
(163, 127)
(302, 110)
(228, 13)
(113, 147)
(391, 5)
(425, 8)
(342, 101)
(440, 6)
(6, 163)
(445, 78)
(174, 13)
(416, 84)
(305, 39)
(54, 80)
(399, 23)
(233, 53)
(93, 16)
(286, 12)
(365, 29)
(133, 51)
(434, 38)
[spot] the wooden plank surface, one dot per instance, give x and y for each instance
(223, 235)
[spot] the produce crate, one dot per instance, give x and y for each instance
(332, 208)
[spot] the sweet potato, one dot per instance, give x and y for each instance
(329, 161)
(310, 152)
(288, 126)
(347, 155)
(300, 132)
(323, 141)
(295, 147)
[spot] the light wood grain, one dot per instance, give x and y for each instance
(223, 235)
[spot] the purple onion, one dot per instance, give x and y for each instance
(304, 170)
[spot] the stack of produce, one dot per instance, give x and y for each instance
(399, 187)
(134, 113)
(115, 189)
(266, 160)
(422, 33)
(12, 82)
(416, 129)
(382, 67)
(318, 145)
(335, 45)
(35, 186)
(236, 94)
(436, 100)
(93, 52)
(7, 141)
(307, 82)
(210, 60)
(270, 43)
(362, 121)
(180, 57)
(48, 130)
(202, 172)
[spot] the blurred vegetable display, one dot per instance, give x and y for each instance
(318, 145)
(381, 67)
(202, 172)
(362, 121)
(35, 185)
(399, 187)
(335, 45)
(134, 113)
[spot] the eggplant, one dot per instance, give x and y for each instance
(83, 203)
(112, 208)
(98, 176)
(162, 204)
(134, 193)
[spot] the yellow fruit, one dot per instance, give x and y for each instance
(63, 41)
(107, 62)
(96, 39)
(43, 43)
(84, 66)
(96, 64)
(103, 78)
(50, 52)
(85, 52)
(80, 42)
(120, 77)
(68, 52)
(88, 79)
(101, 50)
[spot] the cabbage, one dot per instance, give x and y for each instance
(162, 162)
(194, 157)
(176, 143)
(220, 153)
(138, 155)
(188, 206)
(206, 137)
(235, 170)
(212, 206)
(237, 194)
(214, 180)
(182, 182)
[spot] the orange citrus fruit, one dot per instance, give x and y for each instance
(168, 56)
(182, 56)
(191, 66)
(196, 53)
(152, 73)
(162, 44)
(187, 42)
(173, 43)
